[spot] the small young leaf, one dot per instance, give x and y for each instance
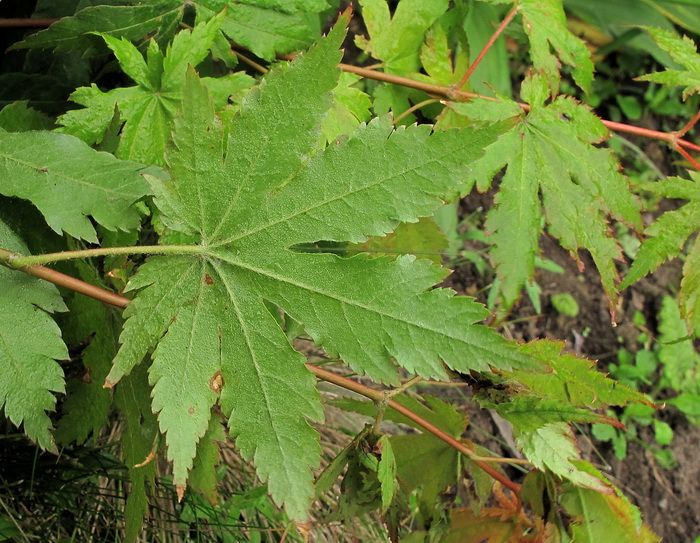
(684, 52)
(31, 345)
(665, 239)
(149, 108)
(565, 304)
(386, 471)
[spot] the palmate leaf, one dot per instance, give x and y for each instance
(684, 52)
(30, 344)
(248, 200)
(666, 238)
(148, 109)
(70, 182)
(550, 153)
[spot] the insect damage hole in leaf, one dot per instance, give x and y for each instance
(207, 312)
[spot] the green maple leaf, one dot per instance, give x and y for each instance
(30, 344)
(667, 236)
(544, 21)
(396, 39)
(245, 201)
(265, 27)
(683, 51)
(148, 109)
(550, 154)
(70, 182)
(572, 381)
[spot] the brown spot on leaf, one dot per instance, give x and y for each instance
(208, 280)
(180, 489)
(191, 411)
(217, 381)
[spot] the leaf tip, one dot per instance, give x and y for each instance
(180, 489)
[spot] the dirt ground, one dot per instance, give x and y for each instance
(668, 499)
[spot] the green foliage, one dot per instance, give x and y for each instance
(30, 371)
(266, 27)
(208, 305)
(148, 109)
(684, 52)
(545, 24)
(284, 209)
(666, 238)
(69, 182)
(544, 154)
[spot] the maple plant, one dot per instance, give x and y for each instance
(196, 220)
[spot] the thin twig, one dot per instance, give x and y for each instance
(26, 23)
(511, 14)
(62, 280)
(377, 396)
(413, 108)
(688, 157)
(250, 62)
(683, 131)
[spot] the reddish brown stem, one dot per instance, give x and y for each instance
(58, 278)
(511, 14)
(683, 131)
(26, 23)
(378, 396)
(456, 95)
(688, 157)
